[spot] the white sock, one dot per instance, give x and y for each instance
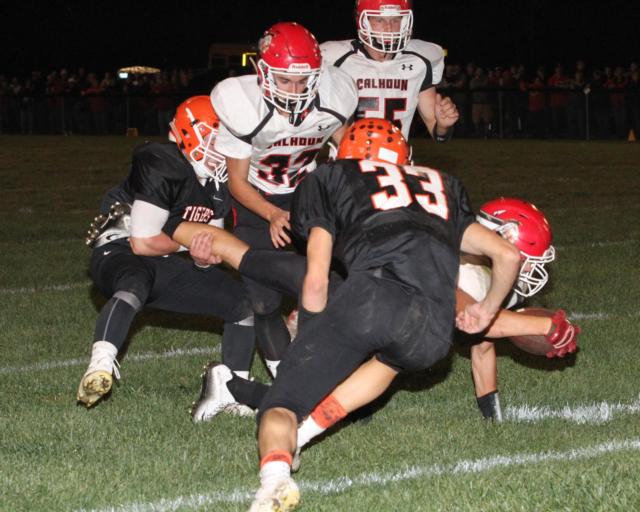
(272, 366)
(273, 472)
(307, 430)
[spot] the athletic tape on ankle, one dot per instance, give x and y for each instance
(276, 456)
(328, 412)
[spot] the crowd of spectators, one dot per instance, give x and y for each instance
(83, 102)
(493, 102)
(514, 102)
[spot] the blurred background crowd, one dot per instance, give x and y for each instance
(577, 102)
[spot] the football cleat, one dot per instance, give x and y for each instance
(563, 335)
(244, 411)
(215, 397)
(98, 379)
(295, 462)
(282, 496)
(109, 227)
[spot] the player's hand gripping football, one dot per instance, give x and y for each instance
(563, 335)
(446, 112)
(278, 226)
(200, 250)
(475, 317)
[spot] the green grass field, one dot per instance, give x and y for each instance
(428, 449)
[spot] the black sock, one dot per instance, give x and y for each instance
(238, 343)
(247, 392)
(272, 335)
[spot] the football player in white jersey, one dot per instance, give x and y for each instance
(273, 126)
(394, 74)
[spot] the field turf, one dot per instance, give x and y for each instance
(571, 439)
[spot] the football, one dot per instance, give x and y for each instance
(533, 344)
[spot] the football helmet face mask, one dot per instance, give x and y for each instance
(384, 25)
(528, 229)
(289, 52)
(375, 139)
(194, 129)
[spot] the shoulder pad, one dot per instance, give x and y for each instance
(334, 50)
(432, 52)
(338, 91)
(159, 159)
(238, 103)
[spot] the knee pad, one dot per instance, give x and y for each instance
(130, 298)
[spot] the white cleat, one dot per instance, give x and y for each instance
(282, 496)
(241, 410)
(295, 462)
(215, 397)
(98, 379)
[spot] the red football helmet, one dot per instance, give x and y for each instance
(289, 49)
(384, 25)
(528, 229)
(194, 129)
(374, 139)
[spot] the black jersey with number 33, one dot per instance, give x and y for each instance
(381, 215)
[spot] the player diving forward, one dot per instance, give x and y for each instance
(273, 126)
(517, 220)
(399, 231)
(133, 263)
(394, 74)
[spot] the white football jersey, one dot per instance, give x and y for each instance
(389, 88)
(281, 153)
(476, 281)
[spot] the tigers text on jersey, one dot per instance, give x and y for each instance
(281, 153)
(389, 88)
(161, 176)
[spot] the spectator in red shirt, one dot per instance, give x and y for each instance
(617, 85)
(558, 100)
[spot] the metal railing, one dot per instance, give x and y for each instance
(485, 113)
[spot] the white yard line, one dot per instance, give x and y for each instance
(595, 413)
(338, 485)
(142, 356)
(43, 289)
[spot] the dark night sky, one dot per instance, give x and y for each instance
(107, 35)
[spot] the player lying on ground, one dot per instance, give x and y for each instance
(133, 261)
(398, 231)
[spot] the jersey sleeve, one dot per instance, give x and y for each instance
(312, 206)
(230, 145)
(235, 108)
(464, 216)
(335, 51)
(152, 178)
(435, 55)
(344, 94)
